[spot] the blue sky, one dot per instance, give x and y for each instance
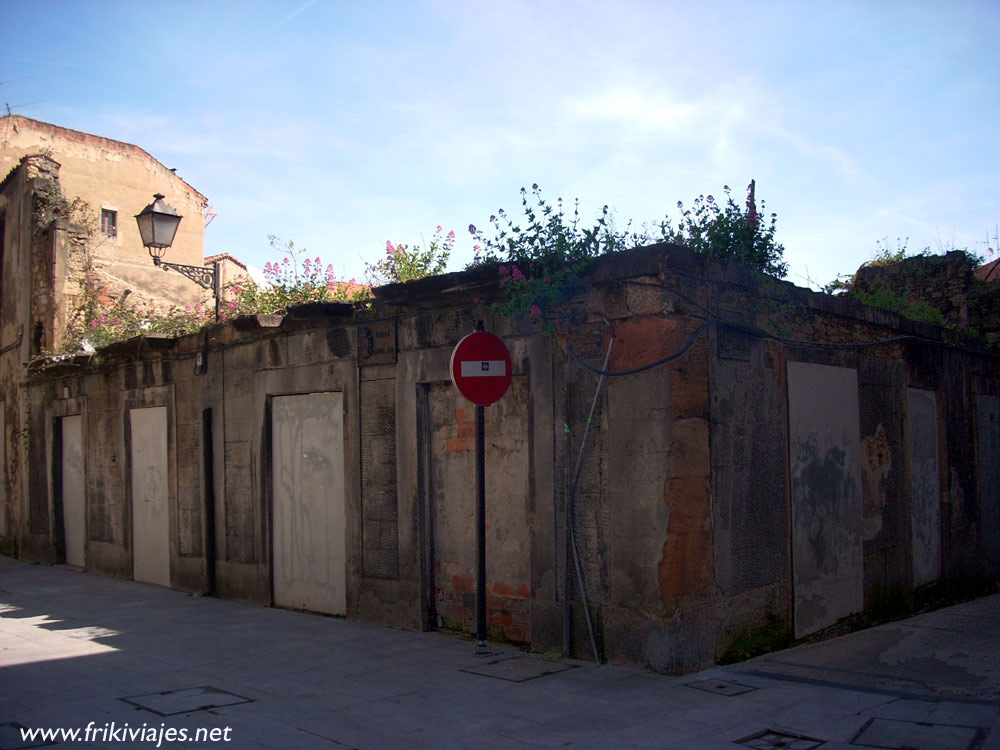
(341, 125)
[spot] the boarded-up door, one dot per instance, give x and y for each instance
(307, 443)
(988, 457)
(453, 506)
(924, 485)
(150, 496)
(74, 506)
(824, 462)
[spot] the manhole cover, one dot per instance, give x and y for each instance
(516, 668)
(772, 739)
(186, 701)
(915, 735)
(720, 687)
(12, 739)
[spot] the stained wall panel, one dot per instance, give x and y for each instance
(824, 462)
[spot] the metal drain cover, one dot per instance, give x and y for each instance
(915, 735)
(516, 668)
(186, 701)
(720, 687)
(10, 738)
(772, 739)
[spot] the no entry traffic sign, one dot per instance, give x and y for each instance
(480, 368)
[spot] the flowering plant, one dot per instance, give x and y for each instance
(403, 263)
(288, 283)
(122, 321)
(539, 258)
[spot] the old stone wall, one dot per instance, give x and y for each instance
(679, 475)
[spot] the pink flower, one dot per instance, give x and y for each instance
(439, 229)
(451, 234)
(286, 261)
(536, 311)
(390, 249)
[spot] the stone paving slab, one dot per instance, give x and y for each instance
(74, 646)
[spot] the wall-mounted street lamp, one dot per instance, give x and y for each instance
(158, 224)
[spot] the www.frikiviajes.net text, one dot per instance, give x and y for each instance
(113, 732)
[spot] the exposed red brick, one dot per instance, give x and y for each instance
(689, 383)
(687, 563)
(500, 588)
(688, 501)
(458, 445)
(640, 341)
(463, 583)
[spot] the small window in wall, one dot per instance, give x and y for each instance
(109, 222)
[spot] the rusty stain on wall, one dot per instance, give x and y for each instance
(876, 463)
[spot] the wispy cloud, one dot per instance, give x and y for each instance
(294, 14)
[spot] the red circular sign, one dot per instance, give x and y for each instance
(480, 368)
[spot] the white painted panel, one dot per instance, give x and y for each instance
(824, 461)
(925, 490)
(150, 496)
(72, 491)
(307, 444)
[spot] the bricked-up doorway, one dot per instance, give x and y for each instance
(309, 566)
(824, 437)
(72, 489)
(450, 426)
(150, 495)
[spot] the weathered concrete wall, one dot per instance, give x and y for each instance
(749, 504)
(885, 509)
(925, 485)
(988, 444)
(723, 479)
(451, 422)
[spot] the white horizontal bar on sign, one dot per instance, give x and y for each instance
(484, 368)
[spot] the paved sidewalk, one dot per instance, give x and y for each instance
(78, 649)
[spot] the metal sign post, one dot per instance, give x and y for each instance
(480, 369)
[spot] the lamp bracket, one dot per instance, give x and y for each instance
(203, 277)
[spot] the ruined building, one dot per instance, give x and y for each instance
(758, 456)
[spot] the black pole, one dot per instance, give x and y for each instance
(481, 646)
(481, 529)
